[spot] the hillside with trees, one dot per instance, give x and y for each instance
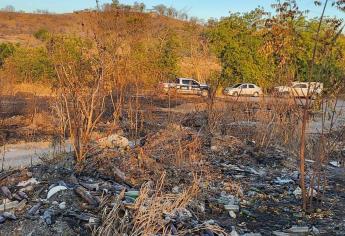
(259, 47)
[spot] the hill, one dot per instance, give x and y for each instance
(20, 27)
(159, 41)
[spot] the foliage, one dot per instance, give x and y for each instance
(6, 50)
(168, 59)
(274, 50)
(30, 65)
(237, 42)
(42, 34)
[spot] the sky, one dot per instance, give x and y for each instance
(200, 8)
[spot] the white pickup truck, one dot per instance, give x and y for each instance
(301, 89)
(186, 86)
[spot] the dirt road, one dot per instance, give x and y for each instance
(16, 156)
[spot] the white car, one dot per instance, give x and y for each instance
(243, 90)
(301, 89)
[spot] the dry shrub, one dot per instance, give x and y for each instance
(153, 204)
(114, 220)
(174, 145)
(148, 215)
(269, 121)
(278, 123)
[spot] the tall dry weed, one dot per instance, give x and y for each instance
(150, 213)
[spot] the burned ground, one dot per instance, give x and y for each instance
(239, 184)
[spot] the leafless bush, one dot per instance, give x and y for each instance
(278, 123)
(80, 92)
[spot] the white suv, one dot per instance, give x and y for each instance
(301, 89)
(243, 90)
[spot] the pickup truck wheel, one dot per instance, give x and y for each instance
(204, 93)
(235, 94)
(256, 94)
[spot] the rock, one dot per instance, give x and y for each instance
(114, 141)
(232, 214)
(55, 190)
(6, 192)
(234, 208)
(62, 205)
(8, 206)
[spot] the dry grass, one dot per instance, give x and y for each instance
(152, 213)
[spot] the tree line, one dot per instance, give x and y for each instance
(259, 47)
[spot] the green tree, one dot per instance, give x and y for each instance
(238, 43)
(169, 57)
(31, 65)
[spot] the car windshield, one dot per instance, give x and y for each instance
(300, 86)
(236, 85)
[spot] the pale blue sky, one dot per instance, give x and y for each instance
(200, 8)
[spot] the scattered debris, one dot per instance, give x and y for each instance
(8, 206)
(86, 196)
(298, 230)
(114, 141)
(55, 190)
(6, 192)
(28, 182)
